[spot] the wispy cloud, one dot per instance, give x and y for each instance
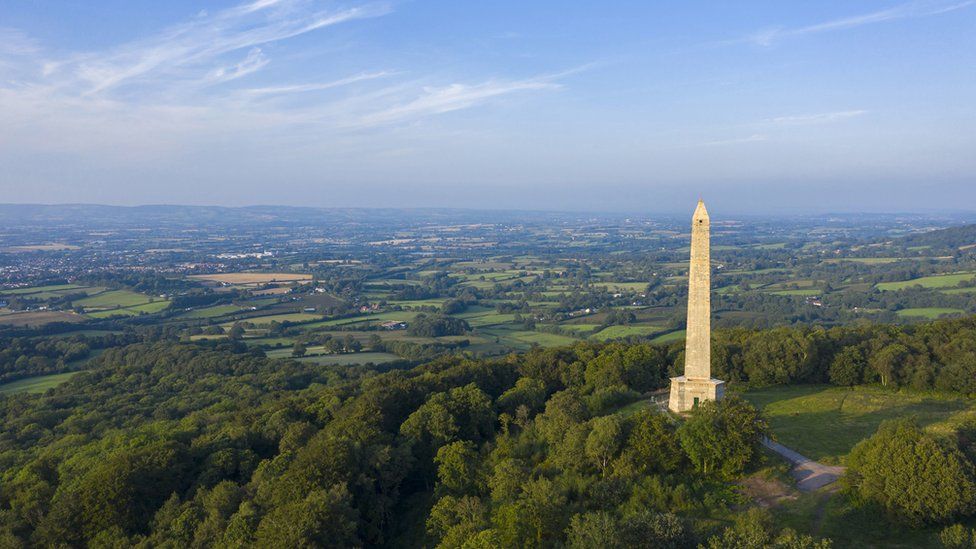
(734, 141)
(192, 47)
(454, 97)
(817, 118)
(767, 37)
(206, 79)
(319, 86)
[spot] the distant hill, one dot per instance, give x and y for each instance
(952, 238)
(196, 216)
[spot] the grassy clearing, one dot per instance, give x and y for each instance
(614, 332)
(824, 423)
(543, 339)
(936, 281)
(929, 312)
(37, 384)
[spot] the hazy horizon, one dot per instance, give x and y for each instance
(828, 107)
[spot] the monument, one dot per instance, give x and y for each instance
(697, 385)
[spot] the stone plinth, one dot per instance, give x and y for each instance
(687, 393)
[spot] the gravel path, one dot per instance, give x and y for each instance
(809, 474)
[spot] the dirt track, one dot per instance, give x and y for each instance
(810, 475)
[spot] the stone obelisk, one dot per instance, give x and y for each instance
(697, 384)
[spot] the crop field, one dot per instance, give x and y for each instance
(937, 281)
(253, 278)
(824, 422)
(37, 384)
(929, 312)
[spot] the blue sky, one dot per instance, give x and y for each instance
(628, 106)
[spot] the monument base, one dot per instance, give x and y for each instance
(688, 393)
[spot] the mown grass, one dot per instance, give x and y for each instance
(824, 422)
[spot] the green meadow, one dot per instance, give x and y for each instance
(825, 422)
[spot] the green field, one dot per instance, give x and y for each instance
(867, 260)
(37, 384)
(285, 317)
(211, 312)
(936, 281)
(824, 422)
(113, 298)
(37, 289)
(622, 286)
(350, 358)
(381, 317)
(928, 312)
(670, 337)
(148, 308)
(801, 292)
(614, 332)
